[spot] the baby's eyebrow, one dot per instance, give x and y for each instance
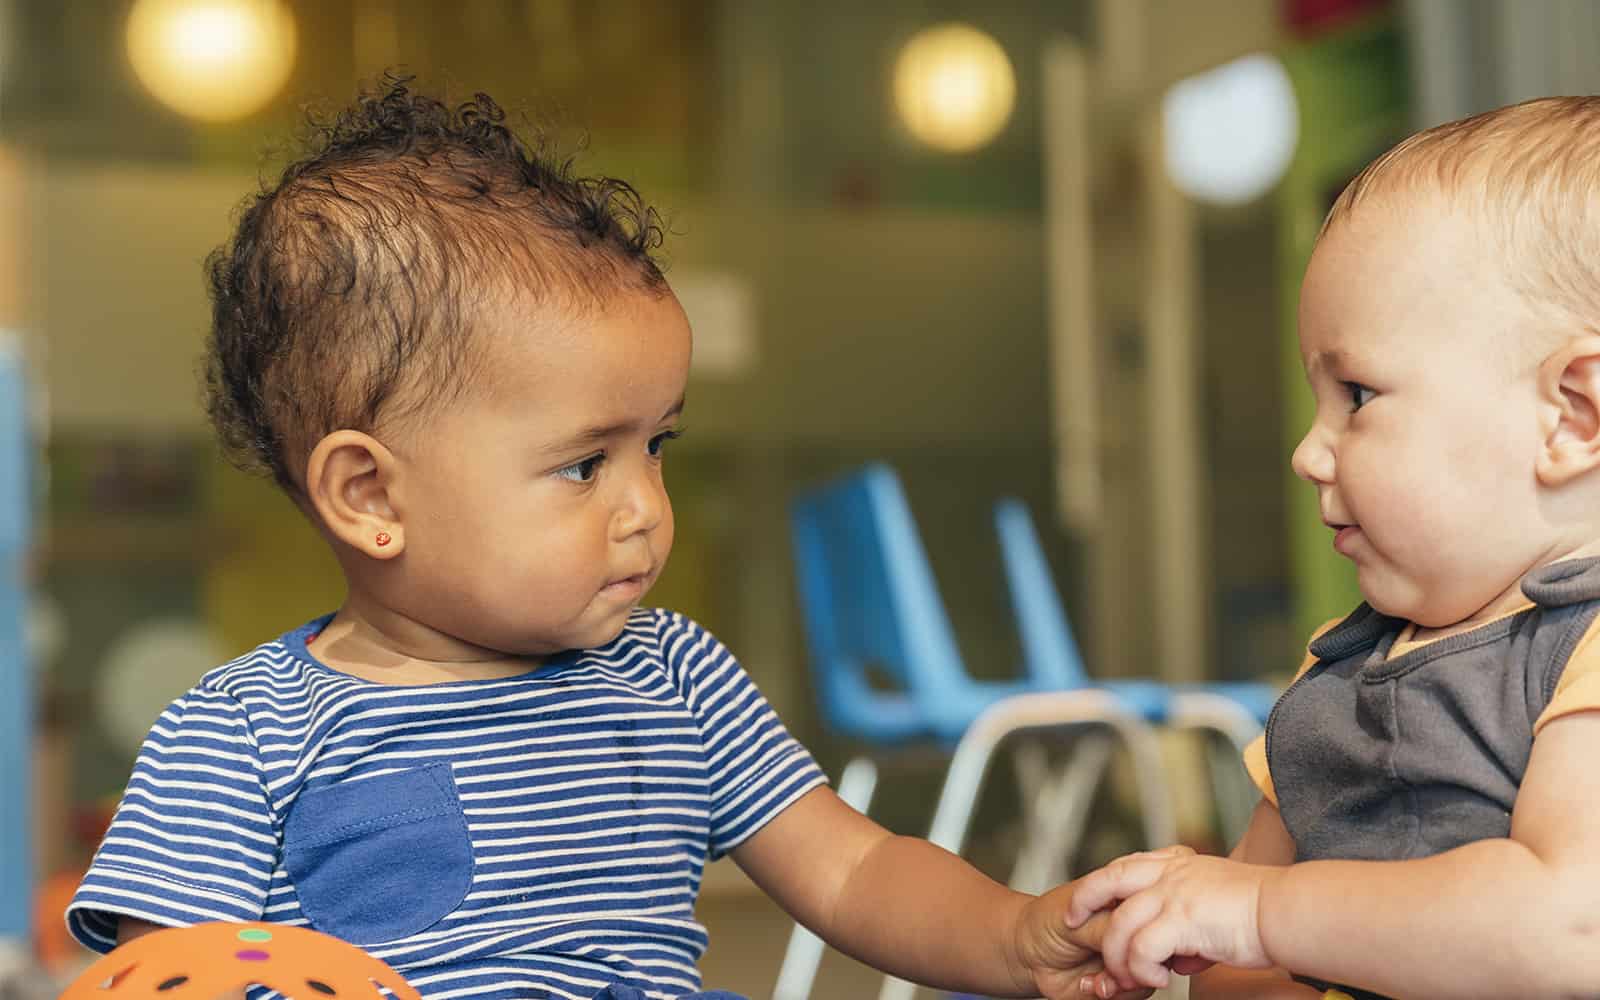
(601, 432)
(1332, 357)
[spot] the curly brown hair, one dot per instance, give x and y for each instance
(349, 287)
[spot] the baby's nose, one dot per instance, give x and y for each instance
(641, 508)
(1313, 459)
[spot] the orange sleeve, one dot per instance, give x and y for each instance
(1255, 762)
(1578, 690)
(1255, 755)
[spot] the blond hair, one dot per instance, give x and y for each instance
(1529, 174)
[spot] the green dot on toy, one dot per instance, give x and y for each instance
(255, 934)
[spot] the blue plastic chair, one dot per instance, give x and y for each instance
(870, 603)
(1234, 709)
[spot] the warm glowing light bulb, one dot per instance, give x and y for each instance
(214, 60)
(954, 87)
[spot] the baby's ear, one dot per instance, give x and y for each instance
(1569, 396)
(349, 479)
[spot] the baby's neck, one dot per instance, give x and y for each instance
(352, 646)
(1509, 602)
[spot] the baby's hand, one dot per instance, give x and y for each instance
(1177, 910)
(1061, 955)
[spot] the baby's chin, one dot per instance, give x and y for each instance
(1392, 601)
(592, 627)
(1419, 612)
(600, 633)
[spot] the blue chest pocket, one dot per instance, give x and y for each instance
(377, 859)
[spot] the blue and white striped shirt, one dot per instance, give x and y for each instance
(538, 836)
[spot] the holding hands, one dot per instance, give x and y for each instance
(1060, 932)
(1059, 958)
(1174, 911)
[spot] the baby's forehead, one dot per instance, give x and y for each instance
(506, 316)
(570, 332)
(1401, 280)
(1441, 226)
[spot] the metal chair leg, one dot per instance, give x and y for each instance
(1056, 803)
(1031, 762)
(803, 956)
(1231, 789)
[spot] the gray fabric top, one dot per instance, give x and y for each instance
(1382, 759)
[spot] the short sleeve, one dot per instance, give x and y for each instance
(1255, 754)
(193, 839)
(1255, 762)
(1578, 690)
(757, 768)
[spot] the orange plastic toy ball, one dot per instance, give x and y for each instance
(208, 961)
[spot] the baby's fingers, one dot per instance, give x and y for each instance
(1092, 932)
(1152, 949)
(1127, 922)
(1118, 880)
(1103, 986)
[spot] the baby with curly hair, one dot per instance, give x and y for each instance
(491, 767)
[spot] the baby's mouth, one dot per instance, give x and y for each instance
(1343, 536)
(628, 586)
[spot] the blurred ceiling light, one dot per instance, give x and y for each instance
(954, 87)
(214, 60)
(1229, 133)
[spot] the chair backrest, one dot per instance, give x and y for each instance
(870, 600)
(1048, 648)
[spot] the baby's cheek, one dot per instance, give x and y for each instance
(661, 544)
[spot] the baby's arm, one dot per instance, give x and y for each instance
(129, 928)
(1511, 916)
(914, 910)
(1504, 917)
(1265, 842)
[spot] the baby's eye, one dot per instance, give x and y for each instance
(659, 442)
(582, 471)
(1360, 395)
